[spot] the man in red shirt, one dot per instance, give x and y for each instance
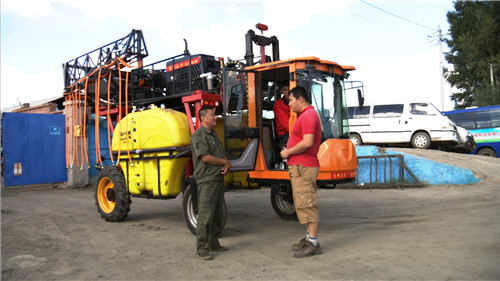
(303, 166)
(282, 115)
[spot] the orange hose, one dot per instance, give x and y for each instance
(66, 119)
(96, 70)
(109, 66)
(79, 118)
(85, 143)
(74, 96)
(70, 128)
(139, 63)
(73, 139)
(108, 116)
(119, 113)
(126, 111)
(96, 129)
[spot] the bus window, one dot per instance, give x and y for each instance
(495, 121)
(483, 122)
(467, 123)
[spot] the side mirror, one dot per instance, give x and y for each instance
(361, 99)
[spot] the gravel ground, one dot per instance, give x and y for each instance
(431, 233)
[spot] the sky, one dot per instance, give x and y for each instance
(393, 44)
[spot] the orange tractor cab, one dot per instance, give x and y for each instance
(153, 111)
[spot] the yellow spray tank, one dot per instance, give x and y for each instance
(157, 141)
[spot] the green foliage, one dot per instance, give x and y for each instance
(474, 45)
(487, 95)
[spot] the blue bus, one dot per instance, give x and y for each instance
(484, 124)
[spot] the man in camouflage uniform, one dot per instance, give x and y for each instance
(210, 166)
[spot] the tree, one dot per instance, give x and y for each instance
(474, 53)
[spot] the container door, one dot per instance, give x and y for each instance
(33, 148)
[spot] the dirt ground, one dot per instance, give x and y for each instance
(431, 233)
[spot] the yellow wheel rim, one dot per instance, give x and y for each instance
(106, 185)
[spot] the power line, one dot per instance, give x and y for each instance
(392, 14)
(381, 23)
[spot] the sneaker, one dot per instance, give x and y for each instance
(218, 249)
(205, 257)
(300, 245)
(308, 250)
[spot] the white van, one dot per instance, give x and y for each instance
(418, 123)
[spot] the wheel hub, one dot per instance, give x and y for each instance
(421, 141)
(110, 194)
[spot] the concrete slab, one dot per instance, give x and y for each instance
(427, 171)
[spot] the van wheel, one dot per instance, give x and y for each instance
(487, 152)
(356, 139)
(421, 140)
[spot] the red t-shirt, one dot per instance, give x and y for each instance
(281, 116)
(307, 123)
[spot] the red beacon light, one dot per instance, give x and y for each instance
(261, 27)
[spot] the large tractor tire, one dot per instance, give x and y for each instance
(111, 195)
(282, 202)
(190, 214)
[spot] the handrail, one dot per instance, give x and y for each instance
(388, 166)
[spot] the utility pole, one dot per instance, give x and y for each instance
(492, 78)
(441, 72)
(440, 38)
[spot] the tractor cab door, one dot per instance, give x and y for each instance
(271, 84)
(240, 126)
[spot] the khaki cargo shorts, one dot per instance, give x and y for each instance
(305, 192)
